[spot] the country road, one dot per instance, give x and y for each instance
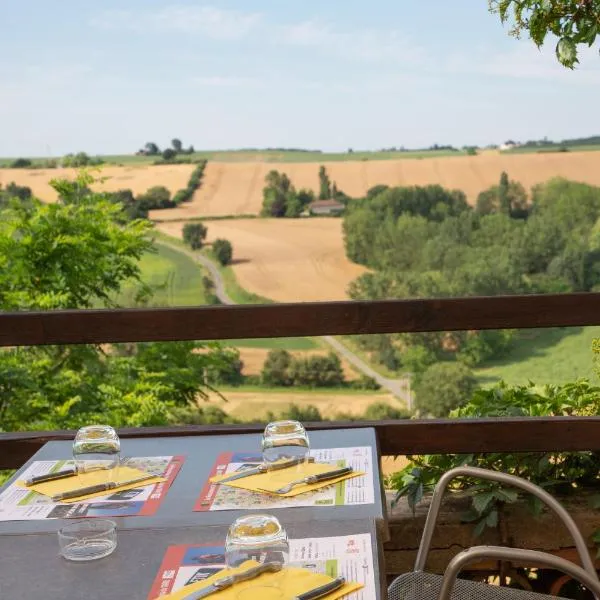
(400, 388)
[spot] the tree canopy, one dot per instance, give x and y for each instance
(572, 22)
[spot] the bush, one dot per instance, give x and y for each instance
(381, 411)
(297, 413)
(444, 386)
(317, 371)
(195, 415)
(182, 196)
(169, 154)
(275, 369)
(194, 235)
(156, 197)
(21, 163)
(364, 382)
(223, 251)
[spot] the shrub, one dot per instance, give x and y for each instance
(364, 382)
(21, 163)
(156, 197)
(297, 413)
(182, 196)
(381, 411)
(223, 251)
(194, 235)
(275, 369)
(317, 371)
(169, 154)
(444, 387)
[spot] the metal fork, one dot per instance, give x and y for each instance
(313, 479)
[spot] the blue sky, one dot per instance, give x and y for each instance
(106, 77)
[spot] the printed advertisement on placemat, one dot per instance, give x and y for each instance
(20, 504)
(352, 492)
(348, 556)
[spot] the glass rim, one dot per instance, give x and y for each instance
(294, 427)
(97, 526)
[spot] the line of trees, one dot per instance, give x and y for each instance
(168, 154)
(428, 242)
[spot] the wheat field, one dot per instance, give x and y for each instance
(236, 188)
(286, 260)
(136, 178)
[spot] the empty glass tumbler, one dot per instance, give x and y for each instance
(284, 440)
(96, 447)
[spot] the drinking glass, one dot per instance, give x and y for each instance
(284, 440)
(256, 537)
(87, 539)
(96, 447)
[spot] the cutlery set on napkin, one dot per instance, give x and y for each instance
(250, 577)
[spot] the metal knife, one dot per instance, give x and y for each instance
(101, 487)
(322, 590)
(51, 476)
(225, 582)
(262, 468)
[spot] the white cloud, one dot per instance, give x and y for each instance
(376, 45)
(213, 22)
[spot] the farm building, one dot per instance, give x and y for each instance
(326, 207)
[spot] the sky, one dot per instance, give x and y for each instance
(107, 77)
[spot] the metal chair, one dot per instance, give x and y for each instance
(420, 585)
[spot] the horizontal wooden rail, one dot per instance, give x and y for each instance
(306, 319)
(460, 436)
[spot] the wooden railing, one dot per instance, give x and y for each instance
(328, 318)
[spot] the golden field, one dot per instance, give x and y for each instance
(136, 178)
(286, 260)
(236, 188)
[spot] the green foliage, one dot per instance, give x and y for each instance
(21, 163)
(156, 197)
(194, 235)
(177, 145)
(223, 251)
(280, 198)
(509, 198)
(275, 370)
(151, 149)
(169, 154)
(195, 181)
(81, 159)
(561, 473)
(573, 22)
(304, 414)
(444, 387)
(325, 191)
(282, 369)
(364, 382)
(380, 411)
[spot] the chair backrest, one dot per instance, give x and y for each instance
(475, 472)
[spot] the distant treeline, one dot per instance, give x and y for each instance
(593, 140)
(277, 150)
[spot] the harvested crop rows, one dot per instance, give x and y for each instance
(236, 188)
(287, 260)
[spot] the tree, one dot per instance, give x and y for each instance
(324, 184)
(81, 159)
(155, 198)
(573, 22)
(177, 145)
(169, 154)
(223, 251)
(194, 235)
(275, 370)
(277, 193)
(504, 204)
(317, 371)
(444, 387)
(508, 197)
(381, 411)
(21, 163)
(152, 149)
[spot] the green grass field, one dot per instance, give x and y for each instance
(545, 356)
(176, 277)
(552, 149)
(294, 343)
(263, 156)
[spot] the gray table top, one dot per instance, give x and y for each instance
(31, 567)
(201, 452)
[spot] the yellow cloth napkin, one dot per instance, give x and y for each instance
(273, 480)
(290, 581)
(118, 474)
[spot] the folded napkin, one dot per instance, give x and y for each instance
(291, 581)
(118, 474)
(273, 480)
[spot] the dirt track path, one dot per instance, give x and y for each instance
(398, 387)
